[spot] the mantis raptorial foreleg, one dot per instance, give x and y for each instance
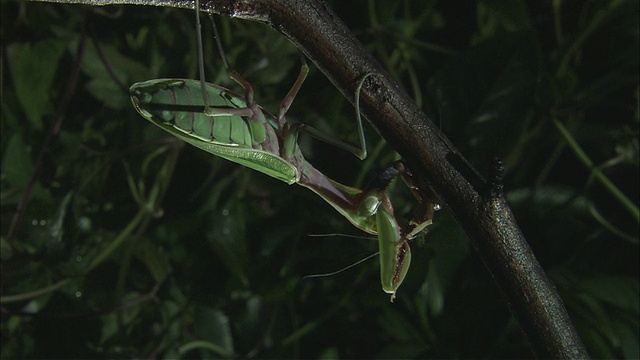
(393, 242)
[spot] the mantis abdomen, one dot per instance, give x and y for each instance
(228, 129)
(179, 103)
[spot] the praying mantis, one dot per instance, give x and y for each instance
(234, 127)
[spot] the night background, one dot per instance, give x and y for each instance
(135, 245)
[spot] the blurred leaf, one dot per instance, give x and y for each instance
(56, 228)
(433, 290)
(628, 335)
(106, 85)
(154, 258)
(213, 326)
(397, 327)
(329, 353)
(250, 326)
(226, 233)
(6, 251)
(33, 77)
(511, 16)
(443, 238)
(492, 96)
(617, 291)
(17, 166)
(119, 324)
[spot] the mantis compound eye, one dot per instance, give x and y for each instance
(369, 204)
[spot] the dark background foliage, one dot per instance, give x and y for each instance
(134, 245)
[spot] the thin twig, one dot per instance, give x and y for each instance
(53, 133)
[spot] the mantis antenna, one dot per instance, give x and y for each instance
(343, 269)
(218, 42)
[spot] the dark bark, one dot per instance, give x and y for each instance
(478, 205)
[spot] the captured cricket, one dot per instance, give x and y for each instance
(234, 127)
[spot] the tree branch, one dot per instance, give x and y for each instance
(478, 205)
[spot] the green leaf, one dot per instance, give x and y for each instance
(32, 68)
(6, 250)
(213, 326)
(154, 258)
(17, 166)
(433, 290)
(508, 15)
(227, 236)
(121, 323)
(111, 73)
(620, 292)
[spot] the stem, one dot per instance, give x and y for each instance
(597, 173)
(53, 133)
(119, 240)
(33, 294)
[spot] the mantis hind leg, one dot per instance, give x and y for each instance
(234, 75)
(205, 94)
(359, 151)
(288, 100)
(248, 89)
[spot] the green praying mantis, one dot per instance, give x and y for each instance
(226, 124)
